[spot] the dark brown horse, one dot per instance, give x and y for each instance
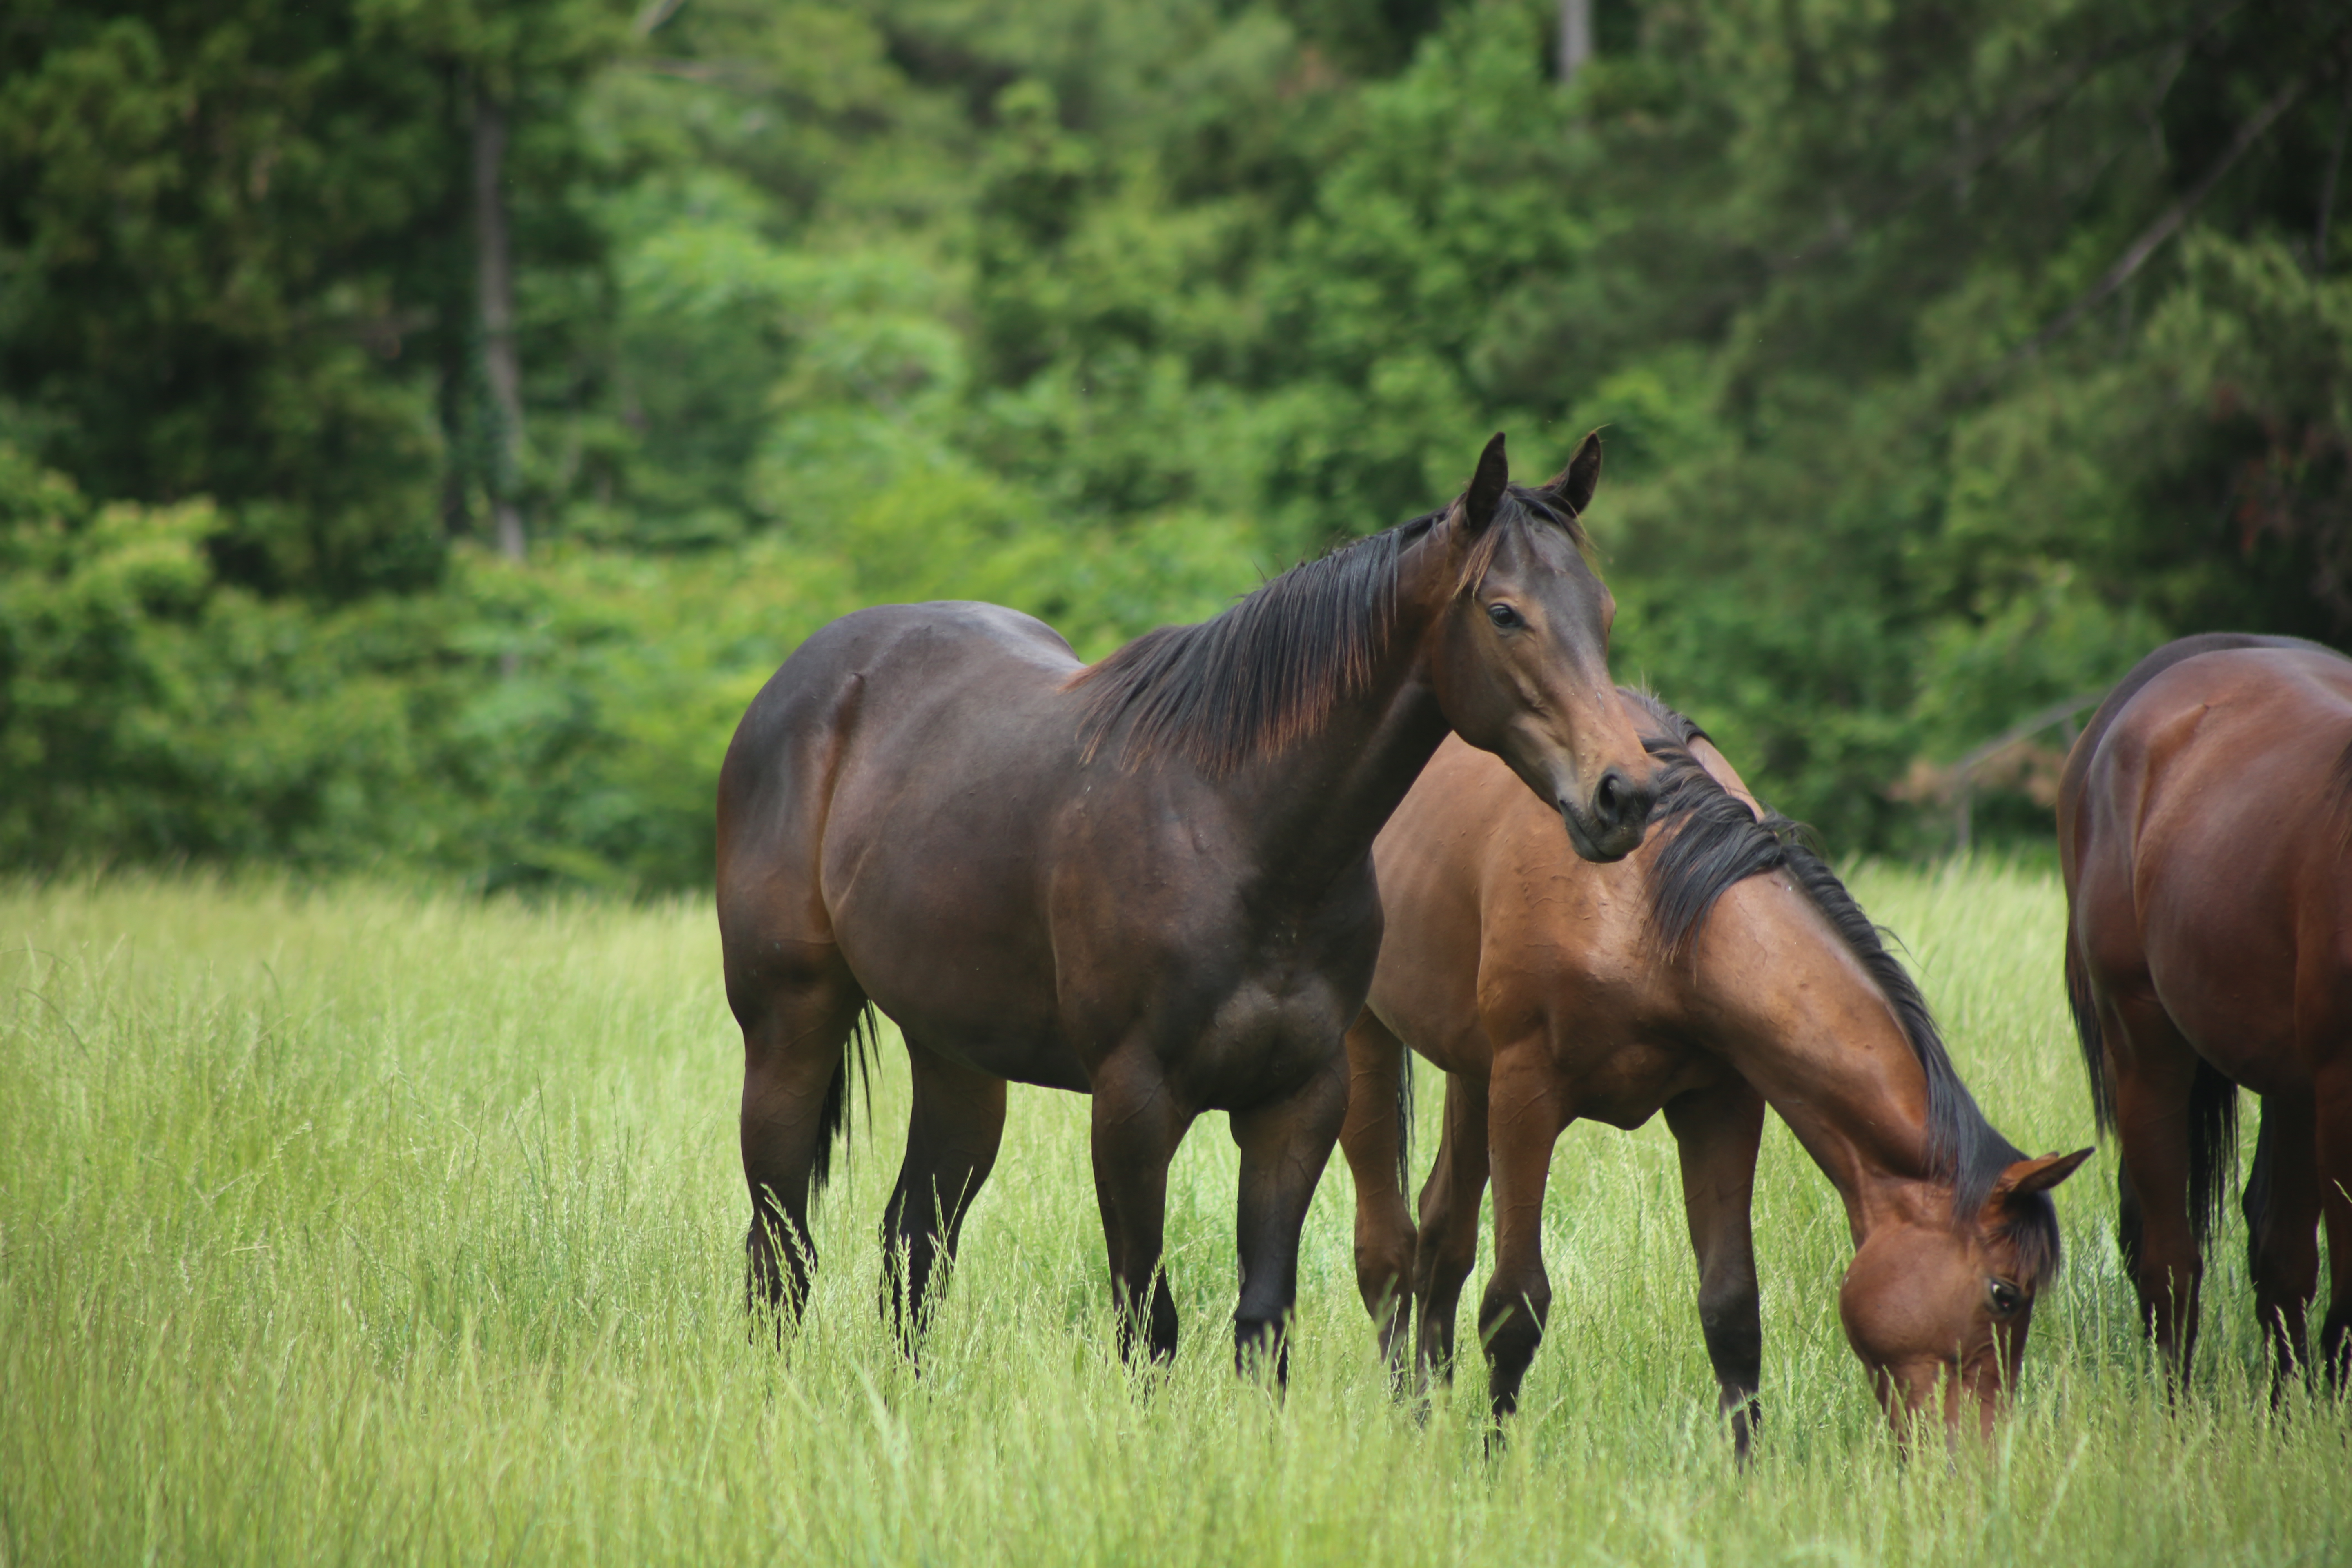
(2205, 826)
(1150, 879)
(1719, 967)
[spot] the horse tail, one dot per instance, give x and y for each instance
(2212, 1146)
(2085, 1008)
(1404, 1122)
(833, 1120)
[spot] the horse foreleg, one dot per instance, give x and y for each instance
(2281, 1207)
(1285, 1144)
(1524, 1118)
(1717, 1132)
(1448, 1246)
(1373, 1140)
(951, 1140)
(1136, 1126)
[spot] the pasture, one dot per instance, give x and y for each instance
(356, 1224)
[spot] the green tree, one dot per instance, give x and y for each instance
(238, 259)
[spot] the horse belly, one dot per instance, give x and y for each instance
(951, 944)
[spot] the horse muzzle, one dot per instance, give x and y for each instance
(1610, 827)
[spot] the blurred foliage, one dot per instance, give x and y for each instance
(1105, 311)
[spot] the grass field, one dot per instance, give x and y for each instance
(356, 1225)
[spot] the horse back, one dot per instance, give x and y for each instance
(2073, 776)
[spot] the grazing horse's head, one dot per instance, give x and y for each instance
(1937, 1306)
(1954, 1229)
(1522, 657)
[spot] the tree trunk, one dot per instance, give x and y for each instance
(2327, 186)
(1575, 37)
(494, 288)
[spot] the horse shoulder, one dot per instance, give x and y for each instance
(1427, 863)
(1557, 934)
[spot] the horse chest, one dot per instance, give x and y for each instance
(1238, 1005)
(1271, 1032)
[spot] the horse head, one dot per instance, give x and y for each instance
(1520, 652)
(1937, 1306)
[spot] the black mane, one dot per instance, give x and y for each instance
(1711, 842)
(1268, 671)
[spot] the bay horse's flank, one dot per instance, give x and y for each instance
(2205, 832)
(1149, 881)
(1721, 966)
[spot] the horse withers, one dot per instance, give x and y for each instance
(1148, 879)
(1721, 967)
(2205, 830)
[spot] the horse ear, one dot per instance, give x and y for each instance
(1575, 484)
(2029, 1177)
(1485, 491)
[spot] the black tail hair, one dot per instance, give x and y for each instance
(833, 1122)
(2085, 1008)
(1404, 1122)
(2212, 1147)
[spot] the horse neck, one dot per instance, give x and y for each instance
(1794, 1011)
(1315, 805)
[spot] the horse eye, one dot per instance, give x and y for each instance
(2006, 1296)
(1504, 615)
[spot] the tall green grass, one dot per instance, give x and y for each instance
(356, 1225)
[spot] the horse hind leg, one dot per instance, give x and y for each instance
(2281, 1207)
(953, 1135)
(1373, 1139)
(797, 1020)
(2162, 1241)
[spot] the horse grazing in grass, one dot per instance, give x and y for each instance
(1720, 967)
(1148, 879)
(2205, 828)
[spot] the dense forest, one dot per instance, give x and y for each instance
(425, 423)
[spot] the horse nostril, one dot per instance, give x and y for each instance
(1609, 800)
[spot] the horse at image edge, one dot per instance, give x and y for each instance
(1148, 879)
(2205, 832)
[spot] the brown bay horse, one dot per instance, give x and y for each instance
(1720, 967)
(1148, 879)
(2205, 829)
